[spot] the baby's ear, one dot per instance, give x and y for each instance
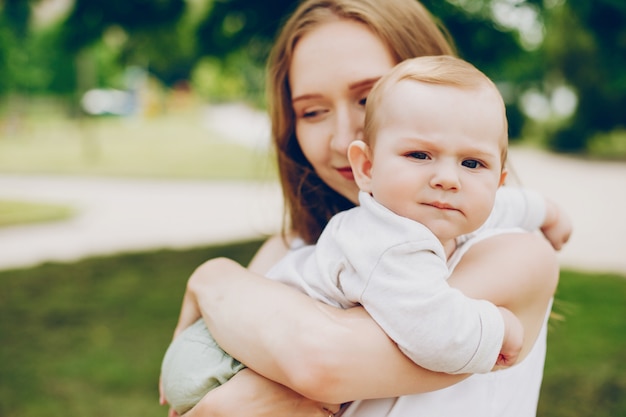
(360, 157)
(503, 176)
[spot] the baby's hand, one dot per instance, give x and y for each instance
(557, 227)
(513, 339)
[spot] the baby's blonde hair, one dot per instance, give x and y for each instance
(441, 70)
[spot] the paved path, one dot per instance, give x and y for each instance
(119, 215)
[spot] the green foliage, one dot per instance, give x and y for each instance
(229, 79)
(242, 24)
(89, 19)
(33, 63)
(586, 48)
(88, 338)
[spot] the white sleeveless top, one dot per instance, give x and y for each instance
(513, 392)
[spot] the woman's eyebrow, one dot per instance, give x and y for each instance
(305, 97)
(368, 82)
(363, 83)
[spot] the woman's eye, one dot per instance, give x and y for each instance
(310, 114)
(471, 163)
(363, 101)
(417, 155)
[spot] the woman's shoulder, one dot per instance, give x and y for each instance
(507, 267)
(272, 251)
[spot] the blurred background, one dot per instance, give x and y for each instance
(150, 114)
(559, 63)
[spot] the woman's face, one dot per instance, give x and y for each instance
(333, 69)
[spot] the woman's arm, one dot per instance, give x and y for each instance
(288, 337)
(519, 271)
(249, 394)
(336, 355)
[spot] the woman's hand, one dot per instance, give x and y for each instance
(248, 394)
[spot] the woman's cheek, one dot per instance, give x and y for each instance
(310, 137)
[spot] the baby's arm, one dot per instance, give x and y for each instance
(518, 207)
(513, 339)
(435, 325)
(557, 226)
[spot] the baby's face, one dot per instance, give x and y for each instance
(437, 155)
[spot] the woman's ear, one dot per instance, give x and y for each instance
(360, 157)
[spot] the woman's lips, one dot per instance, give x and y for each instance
(346, 172)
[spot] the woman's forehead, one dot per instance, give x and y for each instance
(341, 51)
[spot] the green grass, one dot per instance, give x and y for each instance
(87, 339)
(585, 371)
(21, 212)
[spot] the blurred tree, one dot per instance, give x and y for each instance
(580, 44)
(30, 60)
(89, 19)
(147, 33)
(242, 24)
(13, 34)
(586, 48)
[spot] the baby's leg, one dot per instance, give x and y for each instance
(193, 365)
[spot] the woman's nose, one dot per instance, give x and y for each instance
(348, 127)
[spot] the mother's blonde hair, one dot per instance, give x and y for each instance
(407, 29)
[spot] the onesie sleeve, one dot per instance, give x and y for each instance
(435, 325)
(517, 207)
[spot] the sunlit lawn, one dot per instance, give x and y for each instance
(87, 338)
(20, 212)
(175, 144)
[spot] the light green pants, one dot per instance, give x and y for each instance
(193, 365)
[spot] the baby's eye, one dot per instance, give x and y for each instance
(417, 155)
(472, 163)
(362, 101)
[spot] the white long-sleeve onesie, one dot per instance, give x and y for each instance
(396, 268)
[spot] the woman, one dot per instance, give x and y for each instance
(326, 60)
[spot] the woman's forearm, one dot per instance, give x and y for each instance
(323, 353)
(249, 394)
